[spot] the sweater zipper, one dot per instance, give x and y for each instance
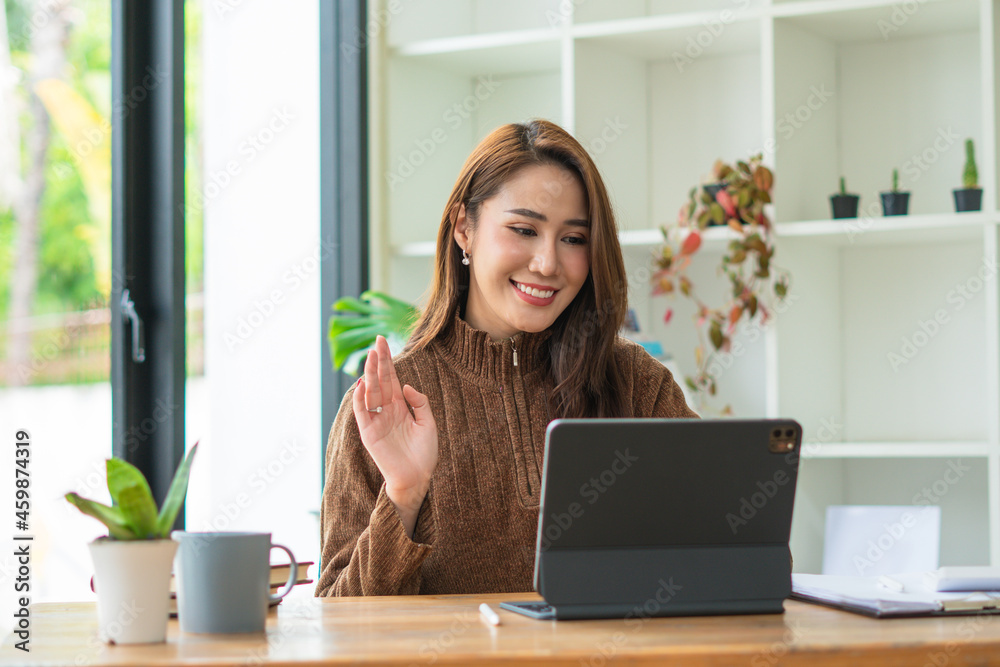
(515, 351)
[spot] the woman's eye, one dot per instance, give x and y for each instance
(523, 231)
(576, 240)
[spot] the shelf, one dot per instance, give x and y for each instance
(906, 229)
(668, 37)
(496, 53)
(846, 21)
(888, 450)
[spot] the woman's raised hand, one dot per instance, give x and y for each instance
(403, 446)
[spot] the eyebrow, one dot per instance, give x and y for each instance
(528, 213)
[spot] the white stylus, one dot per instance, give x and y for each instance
(488, 614)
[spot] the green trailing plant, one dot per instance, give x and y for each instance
(970, 175)
(843, 187)
(359, 321)
(132, 514)
(755, 284)
(895, 180)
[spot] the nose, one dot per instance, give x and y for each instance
(545, 261)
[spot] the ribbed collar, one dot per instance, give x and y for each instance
(475, 352)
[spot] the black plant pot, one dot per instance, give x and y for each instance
(895, 203)
(713, 189)
(844, 206)
(968, 199)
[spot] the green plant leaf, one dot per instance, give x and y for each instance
(717, 212)
(175, 496)
(339, 325)
(715, 334)
(139, 510)
(123, 475)
(350, 341)
(130, 493)
(110, 516)
(350, 304)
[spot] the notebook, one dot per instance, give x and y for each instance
(657, 517)
(909, 594)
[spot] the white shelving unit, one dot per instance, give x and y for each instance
(888, 350)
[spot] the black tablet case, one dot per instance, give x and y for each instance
(654, 517)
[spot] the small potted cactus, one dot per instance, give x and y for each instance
(844, 205)
(970, 196)
(895, 202)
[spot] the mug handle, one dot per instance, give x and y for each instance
(292, 578)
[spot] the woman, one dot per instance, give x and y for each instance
(520, 328)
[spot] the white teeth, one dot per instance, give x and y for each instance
(541, 294)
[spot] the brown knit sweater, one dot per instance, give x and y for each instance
(476, 530)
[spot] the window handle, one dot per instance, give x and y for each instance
(129, 315)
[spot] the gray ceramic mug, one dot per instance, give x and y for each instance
(223, 581)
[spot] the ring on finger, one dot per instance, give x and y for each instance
(377, 410)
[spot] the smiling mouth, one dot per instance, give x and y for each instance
(537, 293)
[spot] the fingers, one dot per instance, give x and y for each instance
(373, 396)
(361, 414)
(421, 406)
(387, 370)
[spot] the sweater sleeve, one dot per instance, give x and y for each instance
(656, 392)
(365, 549)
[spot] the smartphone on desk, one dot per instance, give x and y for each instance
(539, 610)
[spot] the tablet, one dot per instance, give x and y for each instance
(652, 517)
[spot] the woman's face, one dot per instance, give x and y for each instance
(529, 254)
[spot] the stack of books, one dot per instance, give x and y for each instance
(279, 575)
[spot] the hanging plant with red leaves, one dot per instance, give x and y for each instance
(741, 194)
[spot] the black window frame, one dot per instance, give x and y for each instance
(147, 237)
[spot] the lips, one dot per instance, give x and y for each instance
(536, 295)
(538, 291)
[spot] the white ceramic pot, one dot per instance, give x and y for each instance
(132, 580)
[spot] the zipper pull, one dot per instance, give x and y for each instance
(515, 353)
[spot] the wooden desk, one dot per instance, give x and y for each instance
(447, 630)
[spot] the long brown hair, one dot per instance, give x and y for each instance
(580, 351)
